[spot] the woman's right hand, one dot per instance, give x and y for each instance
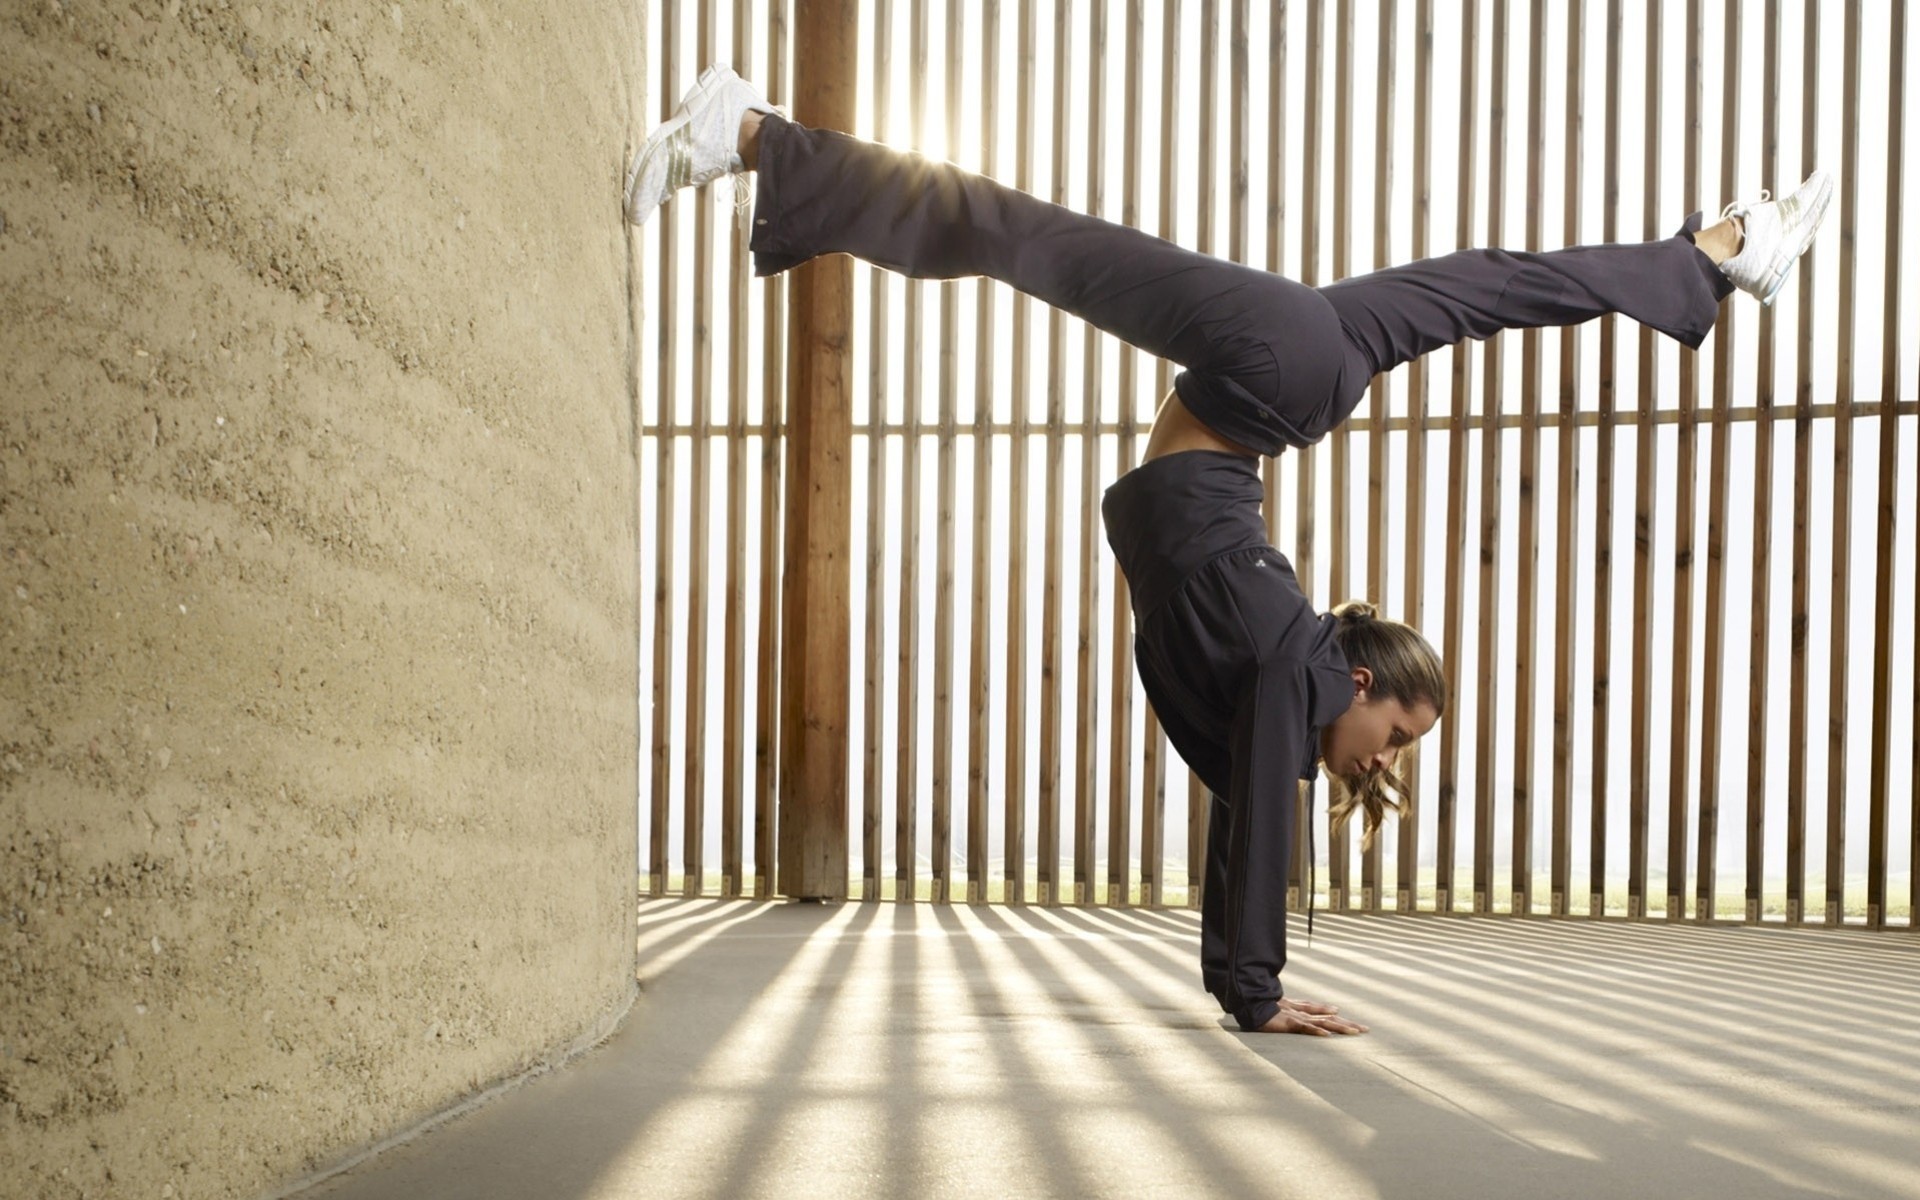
(1304, 1016)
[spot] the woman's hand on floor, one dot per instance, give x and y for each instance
(1304, 1016)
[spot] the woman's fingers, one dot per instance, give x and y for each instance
(1309, 1006)
(1290, 1020)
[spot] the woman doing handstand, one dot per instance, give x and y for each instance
(1254, 688)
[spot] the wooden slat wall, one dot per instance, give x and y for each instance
(716, 343)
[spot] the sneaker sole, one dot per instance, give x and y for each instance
(1803, 237)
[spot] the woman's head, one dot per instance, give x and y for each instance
(1399, 692)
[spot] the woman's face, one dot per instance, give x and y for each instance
(1372, 732)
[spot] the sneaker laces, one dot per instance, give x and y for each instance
(742, 201)
(1740, 208)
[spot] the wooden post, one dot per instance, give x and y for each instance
(816, 614)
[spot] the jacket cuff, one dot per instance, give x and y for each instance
(1256, 1014)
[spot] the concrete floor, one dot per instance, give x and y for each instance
(877, 1050)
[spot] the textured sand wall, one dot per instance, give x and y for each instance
(317, 532)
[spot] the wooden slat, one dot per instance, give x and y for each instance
(1802, 496)
(980, 665)
(1452, 638)
(1305, 461)
(1680, 748)
(1491, 452)
(880, 343)
(1120, 789)
(700, 537)
(1839, 666)
(1880, 770)
(906, 845)
(1153, 815)
(1339, 589)
(1199, 798)
(665, 525)
(1238, 120)
(733, 705)
(1051, 657)
(1016, 822)
(1567, 569)
(1414, 611)
(1713, 686)
(773, 403)
(1760, 641)
(941, 836)
(1526, 638)
(1603, 498)
(1277, 122)
(1647, 462)
(1086, 777)
(815, 631)
(1382, 397)
(1153, 820)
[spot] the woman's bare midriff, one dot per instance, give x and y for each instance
(1176, 429)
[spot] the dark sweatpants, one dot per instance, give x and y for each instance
(1270, 363)
(1241, 671)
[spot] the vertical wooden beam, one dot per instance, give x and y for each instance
(1802, 495)
(1086, 777)
(1760, 641)
(1713, 686)
(1881, 784)
(980, 656)
(1339, 588)
(772, 445)
(906, 845)
(1305, 460)
(1417, 390)
(1199, 798)
(1840, 669)
(1276, 212)
(699, 537)
(1603, 496)
(1453, 638)
(1567, 578)
(1153, 820)
(733, 705)
(1681, 747)
(1526, 637)
(1016, 823)
(1120, 792)
(666, 526)
(943, 614)
(1051, 656)
(813, 777)
(879, 504)
(1647, 460)
(1382, 396)
(1491, 452)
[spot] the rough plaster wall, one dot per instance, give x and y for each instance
(318, 525)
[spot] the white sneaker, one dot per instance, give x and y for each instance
(698, 144)
(1776, 233)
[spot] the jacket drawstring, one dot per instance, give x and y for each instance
(1313, 860)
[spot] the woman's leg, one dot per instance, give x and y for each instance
(1263, 354)
(1399, 314)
